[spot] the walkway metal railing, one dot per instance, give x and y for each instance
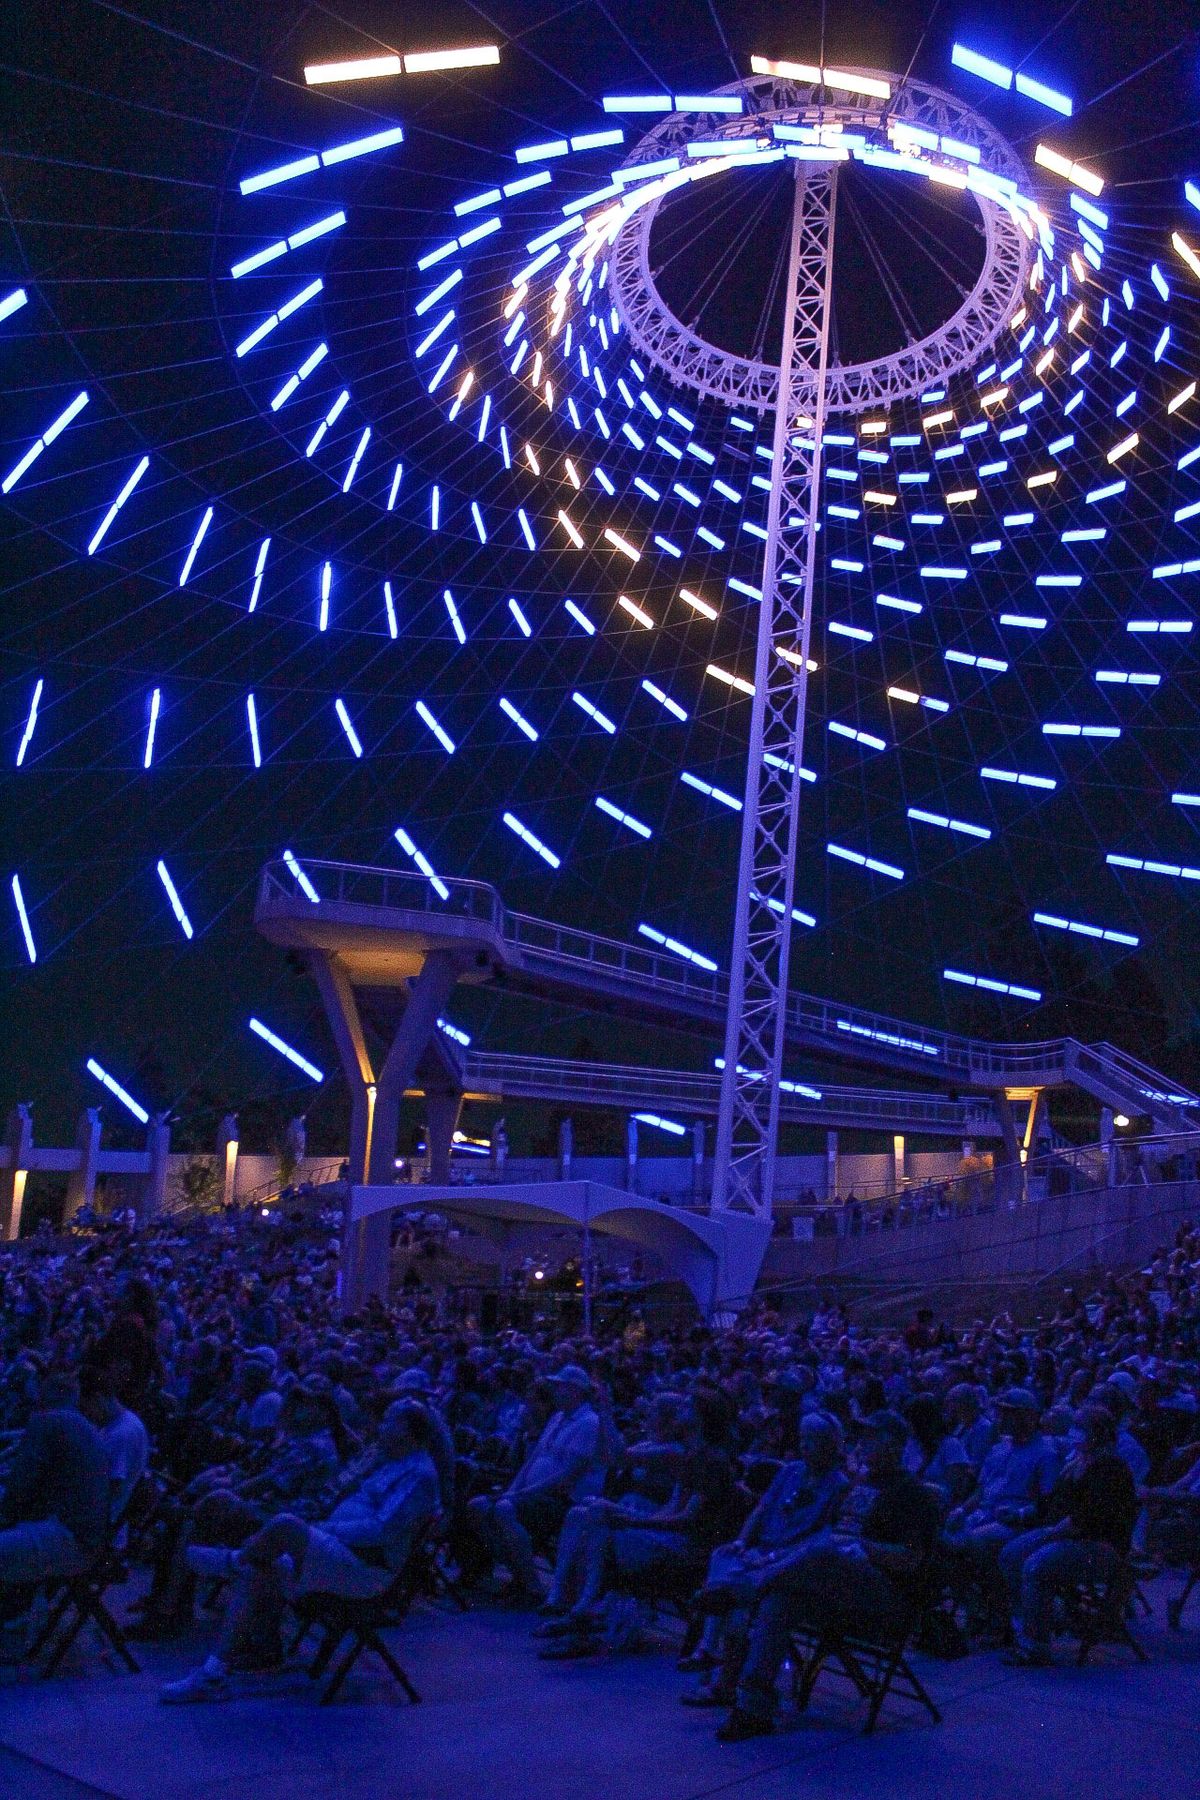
(627, 1086)
(567, 953)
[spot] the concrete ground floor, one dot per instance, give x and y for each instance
(496, 1722)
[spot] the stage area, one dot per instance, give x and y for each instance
(495, 1722)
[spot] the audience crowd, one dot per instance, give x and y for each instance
(188, 1389)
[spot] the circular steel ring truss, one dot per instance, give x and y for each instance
(688, 360)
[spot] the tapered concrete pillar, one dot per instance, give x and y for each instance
(152, 1189)
(341, 1009)
(81, 1182)
(227, 1157)
(1018, 1136)
(18, 1139)
(441, 1115)
(566, 1148)
(898, 1163)
(631, 1155)
(366, 1245)
(831, 1166)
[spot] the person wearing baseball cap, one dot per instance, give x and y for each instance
(1014, 1482)
(564, 1466)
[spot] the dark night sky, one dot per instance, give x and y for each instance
(126, 132)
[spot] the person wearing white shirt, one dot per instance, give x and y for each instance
(565, 1465)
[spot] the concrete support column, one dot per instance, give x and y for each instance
(566, 1148)
(152, 1189)
(698, 1135)
(18, 1139)
(499, 1148)
(898, 1163)
(366, 1245)
(441, 1114)
(295, 1139)
(631, 1155)
(227, 1156)
(831, 1166)
(1008, 1169)
(81, 1182)
(341, 1009)
(426, 1000)
(1109, 1142)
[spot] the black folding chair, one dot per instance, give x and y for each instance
(80, 1598)
(1175, 1607)
(875, 1663)
(672, 1593)
(1098, 1613)
(354, 1625)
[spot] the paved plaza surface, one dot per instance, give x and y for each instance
(496, 1722)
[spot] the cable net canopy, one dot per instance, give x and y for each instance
(443, 550)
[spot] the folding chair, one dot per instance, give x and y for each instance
(78, 1599)
(673, 1594)
(82, 1597)
(1175, 1607)
(876, 1664)
(354, 1625)
(1098, 1613)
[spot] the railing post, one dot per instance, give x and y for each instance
(831, 1166)
(1108, 1140)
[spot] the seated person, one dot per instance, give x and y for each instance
(355, 1553)
(1170, 1529)
(1119, 1394)
(969, 1423)
(872, 1584)
(54, 1511)
(1017, 1475)
(1097, 1501)
(666, 1547)
(933, 1454)
(126, 1440)
(228, 1505)
(643, 1481)
(800, 1506)
(564, 1466)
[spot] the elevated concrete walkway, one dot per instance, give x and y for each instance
(385, 928)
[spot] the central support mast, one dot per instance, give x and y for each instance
(748, 1126)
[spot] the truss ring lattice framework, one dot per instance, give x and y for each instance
(689, 361)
